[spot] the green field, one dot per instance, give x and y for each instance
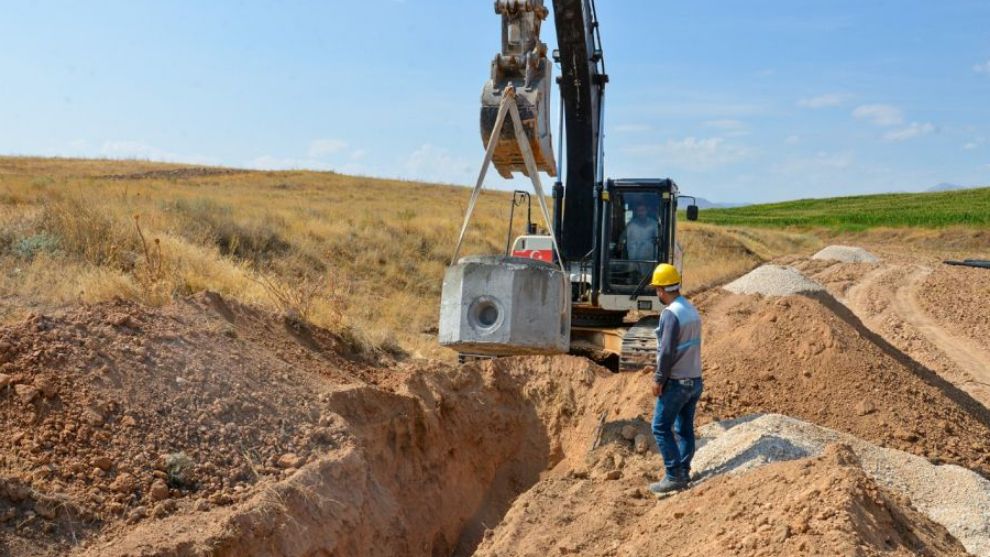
(968, 208)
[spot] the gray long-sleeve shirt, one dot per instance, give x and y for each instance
(678, 342)
(641, 236)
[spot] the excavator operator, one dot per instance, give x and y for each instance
(641, 234)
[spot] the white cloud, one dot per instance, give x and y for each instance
(430, 163)
(693, 153)
(632, 128)
(975, 143)
(910, 132)
(728, 127)
(821, 164)
(321, 148)
(128, 149)
(269, 162)
(697, 106)
(322, 154)
(824, 101)
(879, 114)
(133, 149)
(731, 125)
(982, 68)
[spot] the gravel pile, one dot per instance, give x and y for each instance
(773, 280)
(955, 497)
(846, 254)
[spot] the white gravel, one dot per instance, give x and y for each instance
(773, 280)
(846, 254)
(956, 498)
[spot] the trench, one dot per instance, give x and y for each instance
(422, 471)
(450, 454)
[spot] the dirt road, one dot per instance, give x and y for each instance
(969, 357)
(935, 313)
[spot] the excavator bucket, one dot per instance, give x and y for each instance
(523, 64)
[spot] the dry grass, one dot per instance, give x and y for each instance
(714, 255)
(360, 255)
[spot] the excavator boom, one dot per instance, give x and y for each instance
(522, 64)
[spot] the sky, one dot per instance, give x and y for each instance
(736, 101)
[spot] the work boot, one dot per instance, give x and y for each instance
(668, 484)
(685, 475)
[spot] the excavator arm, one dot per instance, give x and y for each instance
(523, 63)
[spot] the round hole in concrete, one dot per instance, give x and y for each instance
(485, 313)
(488, 315)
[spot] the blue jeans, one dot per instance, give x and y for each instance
(673, 423)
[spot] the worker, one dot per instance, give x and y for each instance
(676, 380)
(640, 235)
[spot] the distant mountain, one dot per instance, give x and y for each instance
(945, 186)
(706, 204)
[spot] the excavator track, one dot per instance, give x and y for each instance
(636, 350)
(639, 345)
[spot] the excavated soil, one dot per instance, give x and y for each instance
(955, 497)
(211, 428)
(934, 313)
(820, 506)
(418, 471)
(118, 414)
(952, 291)
(811, 358)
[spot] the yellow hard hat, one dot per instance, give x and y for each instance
(665, 275)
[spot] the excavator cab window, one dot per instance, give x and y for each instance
(635, 227)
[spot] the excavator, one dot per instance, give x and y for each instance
(608, 234)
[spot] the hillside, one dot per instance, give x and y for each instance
(966, 208)
(357, 255)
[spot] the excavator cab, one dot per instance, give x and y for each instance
(634, 224)
(637, 223)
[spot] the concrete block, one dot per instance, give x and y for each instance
(505, 305)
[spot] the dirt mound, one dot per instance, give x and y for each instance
(811, 358)
(845, 254)
(825, 505)
(949, 293)
(211, 428)
(116, 413)
(419, 471)
(928, 310)
(773, 280)
(954, 497)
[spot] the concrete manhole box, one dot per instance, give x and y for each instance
(502, 305)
